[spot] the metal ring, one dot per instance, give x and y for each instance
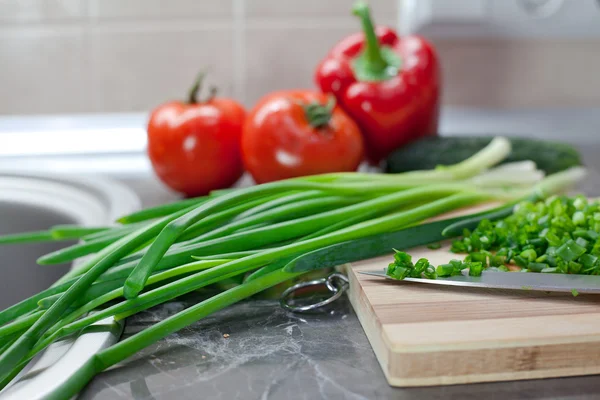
(335, 283)
(331, 279)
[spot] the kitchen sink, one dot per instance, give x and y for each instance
(21, 277)
(29, 202)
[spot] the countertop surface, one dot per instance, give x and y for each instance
(270, 353)
(274, 354)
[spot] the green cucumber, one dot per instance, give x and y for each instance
(429, 152)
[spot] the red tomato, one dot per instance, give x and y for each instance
(195, 147)
(295, 133)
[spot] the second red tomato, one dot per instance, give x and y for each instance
(298, 133)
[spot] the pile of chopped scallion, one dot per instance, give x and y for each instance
(257, 237)
(557, 235)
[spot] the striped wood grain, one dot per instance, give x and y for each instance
(425, 335)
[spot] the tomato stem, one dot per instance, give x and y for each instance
(196, 89)
(317, 114)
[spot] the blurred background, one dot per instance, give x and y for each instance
(78, 78)
(96, 56)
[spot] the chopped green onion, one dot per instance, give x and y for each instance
(537, 267)
(528, 255)
(419, 268)
(479, 257)
(549, 270)
(588, 260)
(445, 270)
(475, 268)
(570, 251)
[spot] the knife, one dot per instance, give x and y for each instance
(512, 280)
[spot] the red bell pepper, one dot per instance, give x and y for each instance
(390, 85)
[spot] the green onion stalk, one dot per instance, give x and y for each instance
(260, 236)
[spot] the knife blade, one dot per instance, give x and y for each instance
(513, 281)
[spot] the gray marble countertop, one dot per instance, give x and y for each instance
(274, 354)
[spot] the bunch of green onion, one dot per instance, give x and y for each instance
(259, 236)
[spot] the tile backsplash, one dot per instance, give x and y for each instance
(521, 73)
(72, 56)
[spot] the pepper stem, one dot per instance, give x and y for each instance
(372, 54)
(317, 114)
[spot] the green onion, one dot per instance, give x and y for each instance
(570, 251)
(260, 233)
(133, 344)
(57, 233)
(28, 237)
(20, 324)
(537, 267)
(168, 290)
(472, 222)
(528, 255)
(136, 281)
(475, 268)
(95, 267)
(445, 270)
(74, 232)
(490, 155)
(217, 219)
(29, 304)
(345, 223)
(549, 236)
(102, 292)
(281, 213)
(233, 255)
(161, 210)
(371, 246)
(193, 282)
(97, 289)
(277, 201)
(588, 260)
(117, 231)
(479, 257)
(73, 252)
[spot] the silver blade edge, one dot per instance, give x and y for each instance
(513, 281)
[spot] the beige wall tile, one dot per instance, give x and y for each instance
(285, 58)
(137, 70)
(139, 9)
(40, 10)
(384, 11)
(133, 54)
(42, 70)
(509, 74)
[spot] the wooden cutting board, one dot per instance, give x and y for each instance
(426, 335)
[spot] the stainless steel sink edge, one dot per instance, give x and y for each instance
(90, 200)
